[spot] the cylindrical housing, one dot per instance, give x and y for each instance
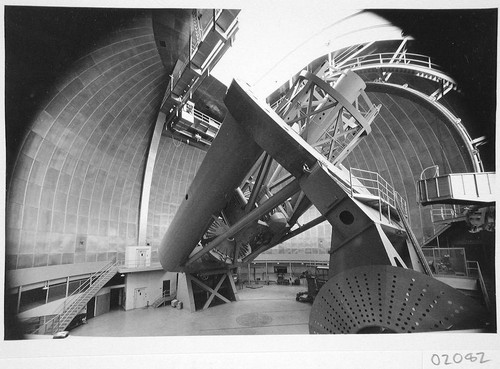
(230, 157)
(349, 85)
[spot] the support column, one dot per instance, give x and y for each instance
(185, 292)
(67, 286)
(148, 178)
(186, 295)
(19, 299)
(267, 275)
(233, 286)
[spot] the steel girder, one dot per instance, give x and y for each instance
(362, 237)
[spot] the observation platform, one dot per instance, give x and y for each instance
(458, 188)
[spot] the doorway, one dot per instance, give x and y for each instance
(91, 308)
(115, 298)
(166, 288)
(139, 297)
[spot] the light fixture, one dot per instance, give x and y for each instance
(122, 275)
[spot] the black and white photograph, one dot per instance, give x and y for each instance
(273, 176)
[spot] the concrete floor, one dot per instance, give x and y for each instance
(268, 310)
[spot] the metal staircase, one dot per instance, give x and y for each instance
(162, 299)
(78, 300)
(413, 239)
(474, 270)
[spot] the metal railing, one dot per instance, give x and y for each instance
(196, 125)
(413, 240)
(450, 261)
(364, 180)
(131, 264)
(447, 213)
(197, 29)
(346, 54)
(389, 58)
(470, 186)
(184, 71)
(207, 122)
(162, 298)
(53, 324)
(201, 27)
(473, 269)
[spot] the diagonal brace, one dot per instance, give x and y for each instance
(208, 289)
(282, 195)
(216, 290)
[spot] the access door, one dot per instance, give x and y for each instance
(166, 288)
(140, 297)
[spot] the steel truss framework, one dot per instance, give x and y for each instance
(216, 278)
(279, 163)
(212, 34)
(362, 237)
(385, 65)
(311, 100)
(324, 117)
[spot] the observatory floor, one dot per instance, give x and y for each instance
(267, 310)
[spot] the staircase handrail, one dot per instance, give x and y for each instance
(163, 295)
(73, 297)
(379, 186)
(388, 58)
(486, 296)
(84, 296)
(86, 293)
(206, 120)
(91, 279)
(414, 241)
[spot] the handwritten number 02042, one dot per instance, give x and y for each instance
(445, 359)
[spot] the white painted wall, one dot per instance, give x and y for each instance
(46, 309)
(102, 304)
(152, 281)
(132, 260)
(51, 307)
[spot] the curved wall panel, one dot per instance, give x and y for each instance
(406, 138)
(75, 189)
(175, 167)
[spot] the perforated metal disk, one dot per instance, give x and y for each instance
(386, 299)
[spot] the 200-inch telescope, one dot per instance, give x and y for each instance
(265, 168)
